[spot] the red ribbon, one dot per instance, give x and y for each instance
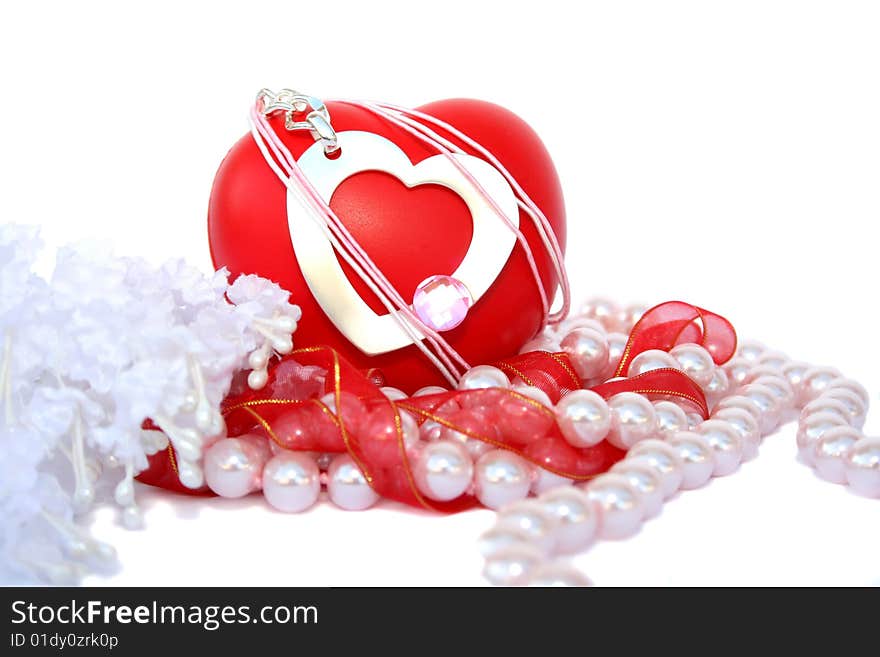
(368, 426)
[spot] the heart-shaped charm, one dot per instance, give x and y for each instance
(490, 247)
(414, 213)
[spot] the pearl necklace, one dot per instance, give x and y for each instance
(668, 447)
(750, 397)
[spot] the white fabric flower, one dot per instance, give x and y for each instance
(85, 358)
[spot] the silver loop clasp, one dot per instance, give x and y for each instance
(301, 112)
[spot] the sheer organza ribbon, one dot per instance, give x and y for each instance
(315, 401)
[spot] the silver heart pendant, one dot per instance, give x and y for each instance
(491, 243)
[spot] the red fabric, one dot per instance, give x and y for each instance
(367, 425)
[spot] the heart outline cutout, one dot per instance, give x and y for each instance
(492, 241)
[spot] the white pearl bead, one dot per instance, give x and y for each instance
(664, 459)
(694, 361)
(826, 405)
(738, 370)
(738, 401)
(541, 343)
(780, 387)
(813, 428)
(430, 431)
(698, 459)
(747, 427)
(429, 390)
(830, 451)
(852, 386)
(603, 310)
(394, 394)
(646, 481)
(588, 351)
(855, 407)
(620, 505)
(584, 418)
(544, 481)
(443, 470)
(558, 575)
(718, 385)
(232, 467)
(291, 482)
(483, 376)
(499, 538)
(347, 487)
(576, 517)
(533, 392)
(816, 379)
(726, 445)
(616, 346)
(629, 316)
(652, 359)
(767, 402)
(513, 565)
(863, 467)
(670, 417)
(501, 477)
(775, 360)
(577, 322)
(532, 518)
(750, 350)
(632, 419)
(794, 373)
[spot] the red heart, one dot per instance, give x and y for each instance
(410, 234)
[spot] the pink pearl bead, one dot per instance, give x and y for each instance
(541, 343)
(826, 405)
(750, 350)
(232, 467)
(588, 351)
(775, 360)
(767, 402)
(813, 428)
(738, 401)
(829, 452)
(670, 417)
(726, 445)
(583, 418)
(816, 379)
(442, 302)
(616, 346)
(863, 467)
(695, 361)
(620, 504)
(855, 407)
(794, 373)
(652, 359)
(443, 470)
(747, 427)
(632, 419)
(604, 310)
(852, 386)
(738, 370)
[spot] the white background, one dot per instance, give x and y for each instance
(727, 154)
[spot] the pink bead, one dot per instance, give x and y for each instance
(588, 351)
(442, 302)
